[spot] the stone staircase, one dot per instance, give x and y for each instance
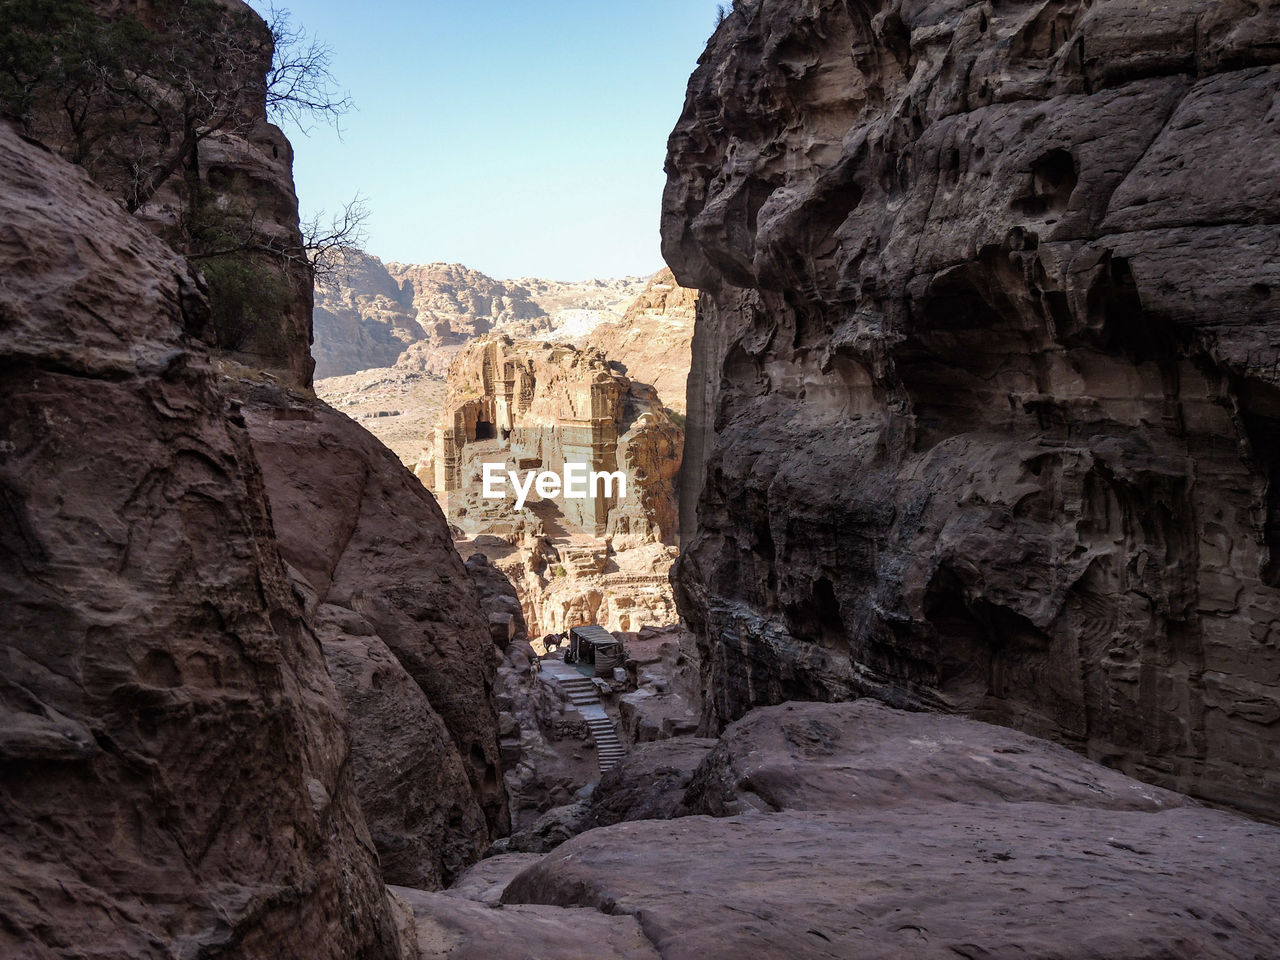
(582, 694)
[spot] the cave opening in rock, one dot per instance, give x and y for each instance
(485, 430)
(817, 618)
(1053, 180)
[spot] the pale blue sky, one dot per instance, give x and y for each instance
(519, 138)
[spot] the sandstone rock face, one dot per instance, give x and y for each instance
(362, 317)
(403, 632)
(460, 929)
(649, 783)
(652, 341)
(984, 409)
(398, 404)
(368, 312)
(666, 696)
(533, 406)
(176, 779)
(863, 755)
(1010, 848)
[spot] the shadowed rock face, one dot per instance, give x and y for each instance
(174, 771)
(984, 410)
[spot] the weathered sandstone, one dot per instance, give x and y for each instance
(1011, 848)
(537, 406)
(651, 343)
(984, 411)
(368, 313)
(176, 779)
(403, 632)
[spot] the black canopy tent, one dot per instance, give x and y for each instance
(593, 644)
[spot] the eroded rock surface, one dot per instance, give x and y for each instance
(369, 313)
(650, 782)
(403, 631)
(984, 411)
(652, 340)
(461, 929)
(174, 771)
(908, 835)
(863, 755)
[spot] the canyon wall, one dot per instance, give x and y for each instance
(402, 631)
(371, 314)
(175, 778)
(174, 126)
(247, 680)
(984, 410)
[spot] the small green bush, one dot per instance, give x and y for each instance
(248, 299)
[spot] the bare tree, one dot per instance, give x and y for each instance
(130, 96)
(300, 85)
(326, 242)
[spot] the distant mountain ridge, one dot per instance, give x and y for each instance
(367, 312)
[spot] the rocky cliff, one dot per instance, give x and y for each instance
(368, 312)
(651, 342)
(402, 631)
(362, 317)
(246, 679)
(984, 408)
(176, 778)
(165, 106)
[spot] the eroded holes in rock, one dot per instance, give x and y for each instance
(830, 206)
(980, 645)
(953, 164)
(159, 669)
(1053, 180)
(1260, 290)
(1117, 321)
(970, 350)
(817, 618)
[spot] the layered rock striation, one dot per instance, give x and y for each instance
(984, 407)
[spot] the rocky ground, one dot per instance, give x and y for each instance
(839, 830)
(399, 405)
